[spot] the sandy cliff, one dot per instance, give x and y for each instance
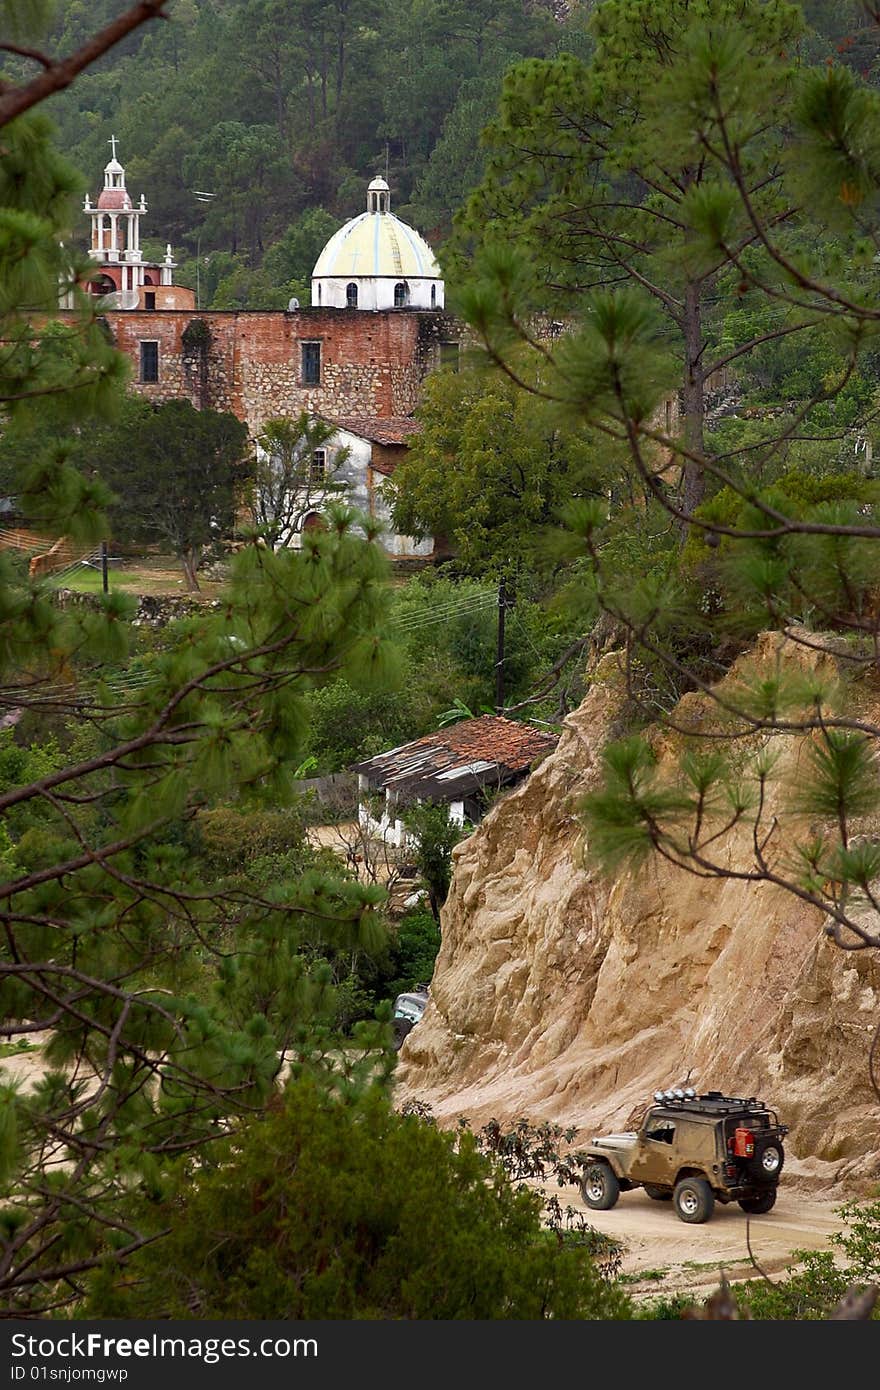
(559, 995)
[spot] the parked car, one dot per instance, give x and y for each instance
(408, 1009)
(693, 1150)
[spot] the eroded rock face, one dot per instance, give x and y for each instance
(561, 996)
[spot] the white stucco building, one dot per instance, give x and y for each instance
(376, 261)
(352, 467)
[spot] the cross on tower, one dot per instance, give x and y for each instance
(112, 143)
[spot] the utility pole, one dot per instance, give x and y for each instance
(105, 581)
(499, 657)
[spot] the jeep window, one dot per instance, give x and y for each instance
(661, 1131)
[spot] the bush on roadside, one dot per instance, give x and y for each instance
(342, 1208)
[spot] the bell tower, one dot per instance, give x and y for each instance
(115, 234)
(121, 275)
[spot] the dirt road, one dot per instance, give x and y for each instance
(690, 1258)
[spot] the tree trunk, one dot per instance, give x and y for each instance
(693, 482)
(189, 560)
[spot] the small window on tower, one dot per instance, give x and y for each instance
(318, 469)
(433, 296)
(311, 364)
(149, 361)
(149, 299)
(351, 295)
(401, 295)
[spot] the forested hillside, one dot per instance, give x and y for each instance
(285, 108)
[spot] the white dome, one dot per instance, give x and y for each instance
(375, 261)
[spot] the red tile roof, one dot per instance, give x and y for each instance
(392, 429)
(490, 750)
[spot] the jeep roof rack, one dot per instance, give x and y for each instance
(712, 1102)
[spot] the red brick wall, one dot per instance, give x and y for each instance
(371, 363)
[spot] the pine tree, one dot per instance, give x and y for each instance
(768, 179)
(167, 1003)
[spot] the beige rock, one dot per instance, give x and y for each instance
(561, 996)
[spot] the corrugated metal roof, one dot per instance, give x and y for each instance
(488, 751)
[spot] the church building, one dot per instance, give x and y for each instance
(357, 358)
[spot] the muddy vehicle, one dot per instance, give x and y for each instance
(408, 1009)
(693, 1150)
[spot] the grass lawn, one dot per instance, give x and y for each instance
(87, 580)
(155, 575)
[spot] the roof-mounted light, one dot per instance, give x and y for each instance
(678, 1093)
(658, 1095)
(690, 1092)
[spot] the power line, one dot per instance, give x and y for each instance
(475, 604)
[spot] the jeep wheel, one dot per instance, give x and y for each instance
(694, 1200)
(401, 1028)
(757, 1206)
(658, 1194)
(767, 1165)
(600, 1188)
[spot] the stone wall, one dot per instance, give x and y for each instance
(372, 364)
(153, 610)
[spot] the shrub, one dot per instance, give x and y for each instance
(231, 837)
(342, 1208)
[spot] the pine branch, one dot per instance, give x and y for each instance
(59, 73)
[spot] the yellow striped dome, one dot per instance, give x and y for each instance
(377, 243)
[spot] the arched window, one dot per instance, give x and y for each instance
(433, 296)
(351, 296)
(319, 294)
(107, 223)
(401, 295)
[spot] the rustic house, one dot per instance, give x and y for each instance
(461, 766)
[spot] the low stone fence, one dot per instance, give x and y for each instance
(153, 610)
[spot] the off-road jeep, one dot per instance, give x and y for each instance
(694, 1150)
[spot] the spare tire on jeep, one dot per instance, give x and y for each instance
(767, 1162)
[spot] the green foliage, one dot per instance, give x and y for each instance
(318, 110)
(622, 819)
(228, 838)
(349, 1210)
(176, 472)
(412, 952)
(489, 469)
(818, 1279)
(284, 487)
(446, 632)
(435, 835)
